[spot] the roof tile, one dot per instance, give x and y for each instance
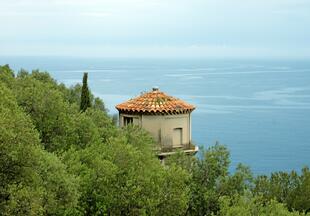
(155, 102)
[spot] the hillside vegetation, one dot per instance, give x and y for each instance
(58, 160)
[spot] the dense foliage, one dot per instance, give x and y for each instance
(56, 160)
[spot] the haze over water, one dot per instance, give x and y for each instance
(260, 109)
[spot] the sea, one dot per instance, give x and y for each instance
(259, 109)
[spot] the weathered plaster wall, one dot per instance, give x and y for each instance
(162, 128)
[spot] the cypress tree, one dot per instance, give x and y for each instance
(85, 99)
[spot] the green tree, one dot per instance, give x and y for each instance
(301, 195)
(98, 104)
(123, 177)
(103, 123)
(206, 175)
(73, 96)
(175, 191)
(182, 160)
(290, 188)
(85, 97)
(6, 75)
(252, 206)
(58, 121)
(32, 181)
(238, 183)
(50, 113)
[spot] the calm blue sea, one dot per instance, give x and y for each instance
(260, 109)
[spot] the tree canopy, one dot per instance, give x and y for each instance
(85, 98)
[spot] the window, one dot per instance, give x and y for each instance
(127, 120)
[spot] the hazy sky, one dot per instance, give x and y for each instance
(156, 28)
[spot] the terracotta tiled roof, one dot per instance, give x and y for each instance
(155, 102)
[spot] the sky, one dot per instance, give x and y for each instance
(156, 28)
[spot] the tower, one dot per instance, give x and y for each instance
(166, 118)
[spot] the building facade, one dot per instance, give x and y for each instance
(168, 120)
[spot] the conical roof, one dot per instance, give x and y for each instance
(155, 101)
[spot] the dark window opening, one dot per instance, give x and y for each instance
(128, 120)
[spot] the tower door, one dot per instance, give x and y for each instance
(177, 137)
